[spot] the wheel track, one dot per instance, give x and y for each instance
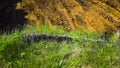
(110, 16)
(101, 10)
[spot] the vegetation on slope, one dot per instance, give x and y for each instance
(113, 3)
(97, 15)
(16, 53)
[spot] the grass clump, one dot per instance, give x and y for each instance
(15, 53)
(10, 48)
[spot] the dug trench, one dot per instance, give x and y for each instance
(10, 17)
(34, 37)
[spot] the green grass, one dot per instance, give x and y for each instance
(15, 53)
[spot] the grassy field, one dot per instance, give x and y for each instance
(16, 53)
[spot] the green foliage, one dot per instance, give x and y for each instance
(10, 48)
(44, 29)
(53, 54)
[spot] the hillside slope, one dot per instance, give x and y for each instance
(98, 15)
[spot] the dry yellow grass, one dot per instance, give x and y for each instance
(97, 15)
